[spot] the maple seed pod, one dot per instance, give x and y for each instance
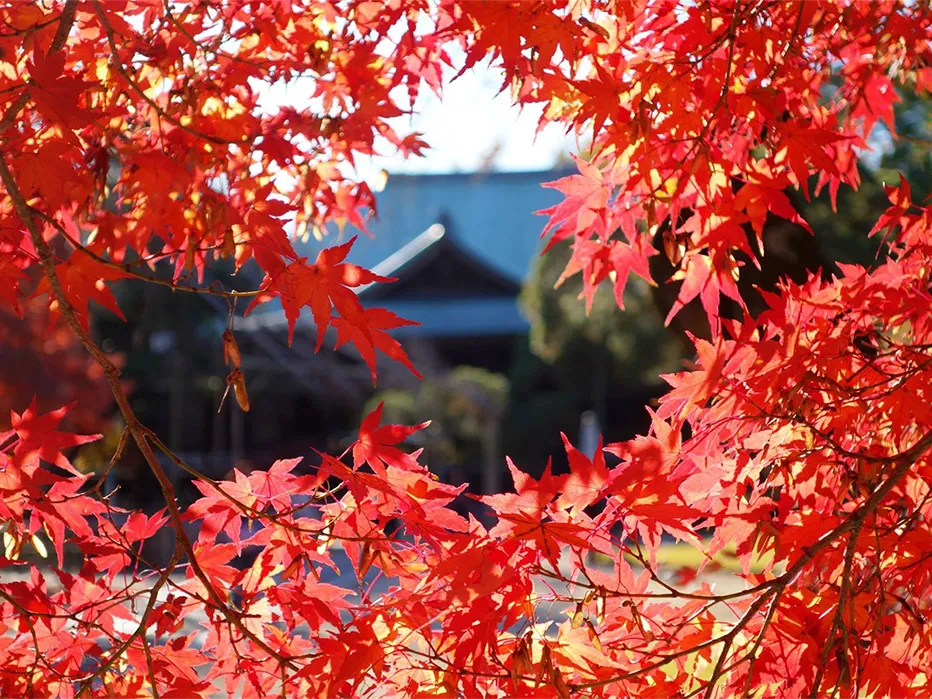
(578, 616)
(597, 29)
(600, 606)
(522, 663)
(238, 382)
(593, 636)
(559, 684)
(293, 569)
(229, 245)
(231, 349)
(189, 257)
(366, 558)
(519, 667)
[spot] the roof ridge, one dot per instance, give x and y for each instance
(406, 253)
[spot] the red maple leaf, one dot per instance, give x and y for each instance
(323, 286)
(83, 279)
(56, 94)
(376, 321)
(532, 497)
(376, 445)
(587, 195)
(706, 277)
(38, 438)
(587, 476)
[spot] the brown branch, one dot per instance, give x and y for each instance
(752, 656)
(731, 33)
(127, 268)
(150, 669)
(141, 628)
(789, 44)
(112, 374)
(838, 623)
(117, 455)
(203, 47)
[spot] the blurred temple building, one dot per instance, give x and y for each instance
(460, 247)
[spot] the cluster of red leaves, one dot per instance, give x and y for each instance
(683, 99)
(802, 437)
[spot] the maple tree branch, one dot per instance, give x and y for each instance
(141, 628)
(723, 94)
(752, 656)
(127, 268)
(14, 109)
(789, 44)
(201, 45)
(111, 373)
(26, 616)
(150, 669)
(66, 19)
(117, 454)
(672, 592)
(925, 143)
(728, 639)
(838, 623)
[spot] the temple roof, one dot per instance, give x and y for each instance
(436, 265)
(459, 245)
(490, 214)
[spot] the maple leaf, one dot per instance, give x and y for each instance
(83, 279)
(371, 336)
(587, 195)
(214, 560)
(10, 278)
(697, 386)
(219, 512)
(277, 483)
(323, 286)
(625, 259)
(587, 476)
(548, 536)
(38, 438)
(706, 277)
(756, 200)
(799, 428)
(316, 603)
(66, 509)
(376, 444)
(532, 496)
(56, 94)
